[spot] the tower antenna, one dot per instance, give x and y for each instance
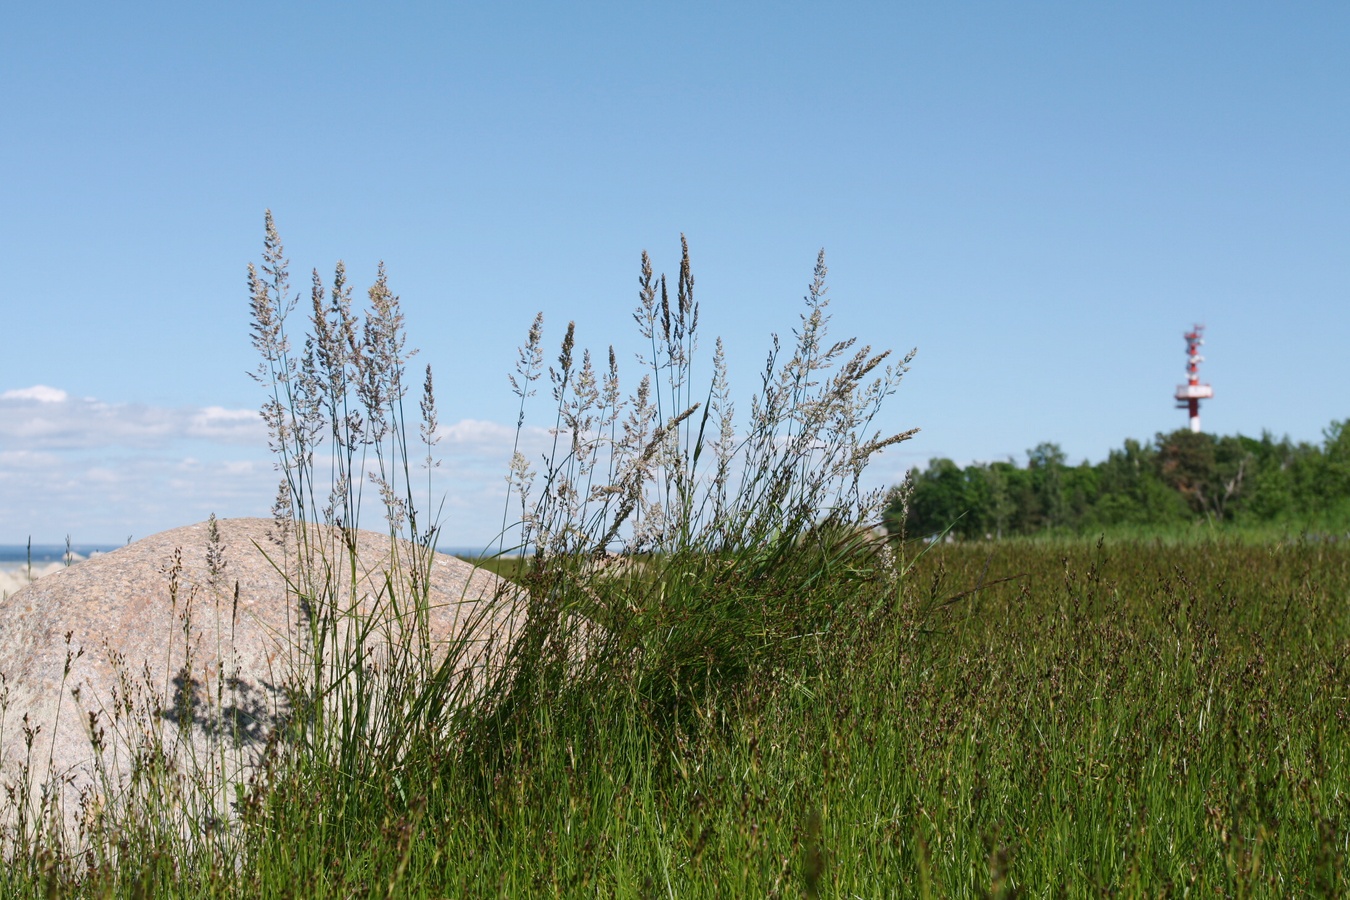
(1190, 394)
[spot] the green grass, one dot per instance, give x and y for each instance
(1123, 718)
(509, 567)
(1199, 532)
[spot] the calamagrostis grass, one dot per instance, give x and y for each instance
(674, 554)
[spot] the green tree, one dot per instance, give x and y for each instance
(1001, 505)
(1169, 481)
(1186, 464)
(938, 498)
(1130, 491)
(1046, 463)
(1336, 456)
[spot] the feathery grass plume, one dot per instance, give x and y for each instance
(724, 449)
(428, 430)
(528, 369)
(334, 347)
(215, 551)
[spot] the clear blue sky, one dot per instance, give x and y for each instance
(1040, 196)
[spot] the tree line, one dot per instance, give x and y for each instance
(1174, 480)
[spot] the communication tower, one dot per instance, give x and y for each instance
(1190, 394)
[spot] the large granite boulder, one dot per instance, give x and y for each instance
(189, 644)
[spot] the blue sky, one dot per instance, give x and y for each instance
(1041, 197)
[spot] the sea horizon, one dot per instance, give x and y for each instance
(12, 555)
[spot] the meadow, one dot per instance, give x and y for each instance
(1131, 719)
(1002, 719)
(728, 684)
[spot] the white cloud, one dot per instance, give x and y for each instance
(477, 431)
(38, 393)
(45, 418)
(219, 424)
(12, 461)
(101, 497)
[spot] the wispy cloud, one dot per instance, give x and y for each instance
(481, 433)
(47, 418)
(38, 393)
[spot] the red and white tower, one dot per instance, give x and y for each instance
(1192, 392)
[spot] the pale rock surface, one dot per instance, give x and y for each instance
(126, 629)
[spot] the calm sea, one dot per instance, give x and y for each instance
(47, 553)
(17, 554)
